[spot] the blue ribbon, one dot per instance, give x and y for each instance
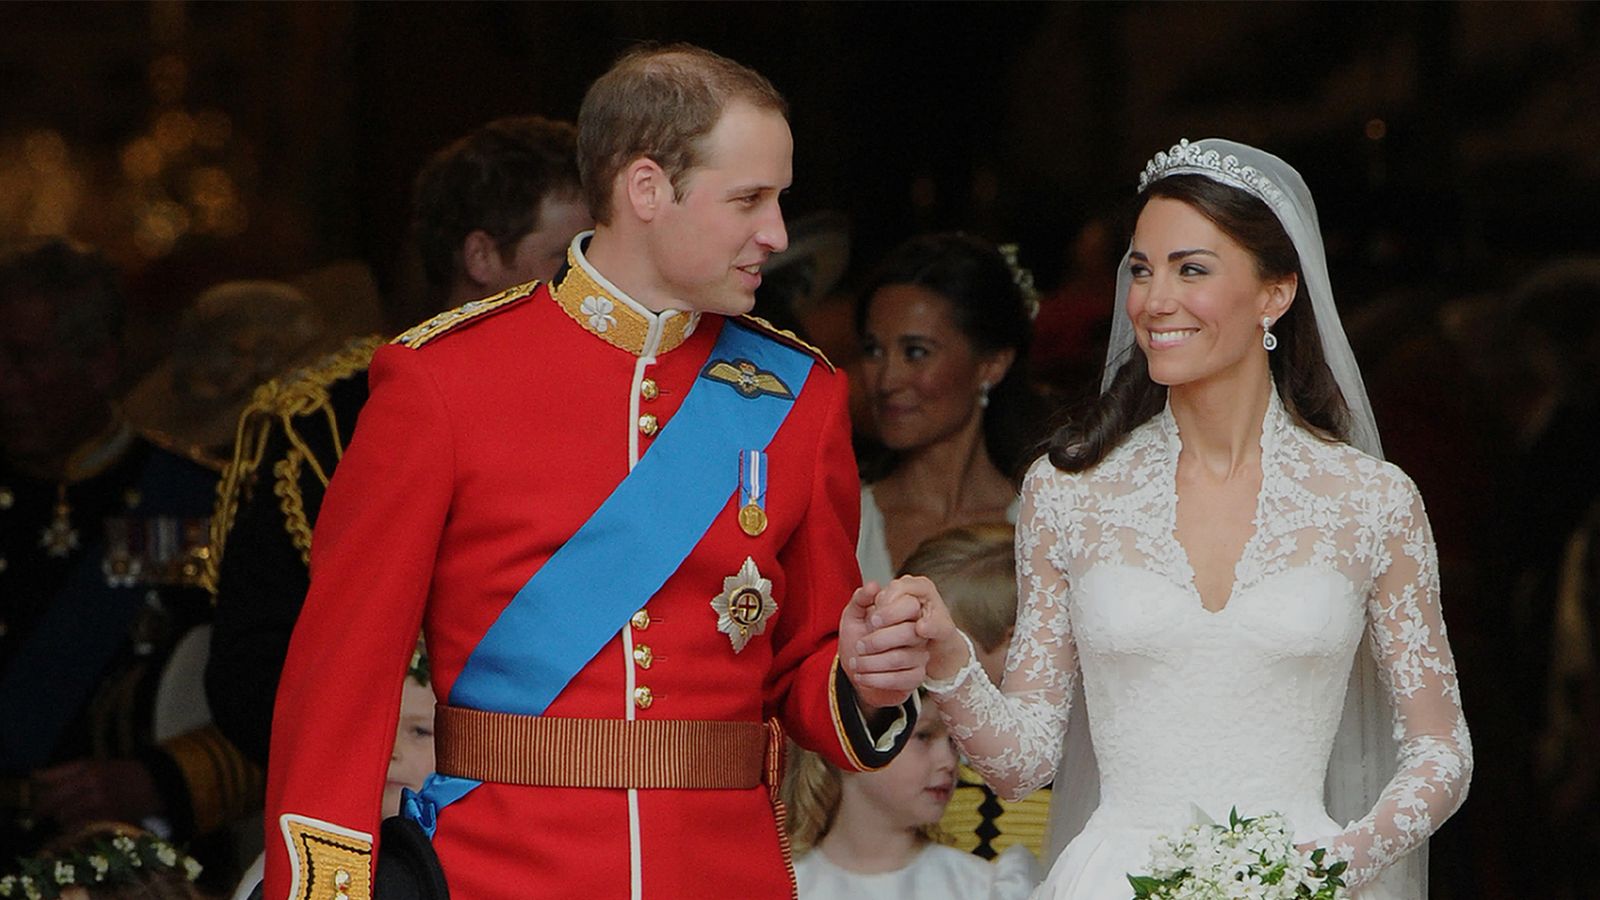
(586, 592)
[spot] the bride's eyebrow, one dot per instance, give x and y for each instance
(1176, 255)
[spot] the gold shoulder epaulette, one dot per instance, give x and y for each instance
(305, 389)
(788, 337)
(280, 402)
(444, 322)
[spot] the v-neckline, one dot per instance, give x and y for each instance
(1174, 449)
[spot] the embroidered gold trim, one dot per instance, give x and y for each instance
(300, 393)
(611, 319)
(421, 334)
(327, 862)
(838, 720)
(788, 337)
(751, 382)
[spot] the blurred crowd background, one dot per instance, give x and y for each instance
(1453, 148)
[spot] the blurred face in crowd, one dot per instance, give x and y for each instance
(913, 790)
(412, 759)
(1196, 299)
(542, 251)
(53, 398)
(922, 373)
(708, 243)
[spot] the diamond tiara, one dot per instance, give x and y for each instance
(1185, 158)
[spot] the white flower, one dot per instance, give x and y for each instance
(598, 309)
(101, 865)
(192, 867)
(166, 854)
(64, 873)
(7, 885)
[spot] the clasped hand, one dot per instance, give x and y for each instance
(891, 639)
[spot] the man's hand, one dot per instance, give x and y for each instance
(83, 791)
(879, 648)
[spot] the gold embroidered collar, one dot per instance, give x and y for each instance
(606, 312)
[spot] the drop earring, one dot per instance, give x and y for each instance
(1268, 339)
(983, 395)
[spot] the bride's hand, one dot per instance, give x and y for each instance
(947, 652)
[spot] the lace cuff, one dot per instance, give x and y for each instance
(949, 685)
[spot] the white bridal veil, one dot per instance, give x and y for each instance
(1364, 751)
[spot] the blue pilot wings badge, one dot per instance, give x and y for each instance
(743, 376)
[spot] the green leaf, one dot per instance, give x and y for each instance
(1143, 886)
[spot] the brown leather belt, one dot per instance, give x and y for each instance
(605, 753)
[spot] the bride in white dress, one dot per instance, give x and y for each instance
(1205, 551)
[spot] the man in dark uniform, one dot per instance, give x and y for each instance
(102, 539)
(494, 209)
(627, 515)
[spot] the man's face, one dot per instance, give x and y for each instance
(51, 398)
(542, 251)
(707, 247)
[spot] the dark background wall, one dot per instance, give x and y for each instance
(1454, 150)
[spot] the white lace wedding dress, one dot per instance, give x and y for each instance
(1234, 708)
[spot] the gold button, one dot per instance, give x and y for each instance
(641, 619)
(643, 656)
(648, 389)
(642, 697)
(647, 424)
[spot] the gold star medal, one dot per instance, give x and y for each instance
(753, 492)
(745, 605)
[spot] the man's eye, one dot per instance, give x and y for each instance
(916, 353)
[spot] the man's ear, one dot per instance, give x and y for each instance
(646, 188)
(480, 258)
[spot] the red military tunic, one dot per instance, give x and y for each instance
(492, 433)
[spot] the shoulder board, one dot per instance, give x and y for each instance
(449, 320)
(785, 336)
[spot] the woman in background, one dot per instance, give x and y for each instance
(944, 324)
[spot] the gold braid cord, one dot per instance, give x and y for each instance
(301, 394)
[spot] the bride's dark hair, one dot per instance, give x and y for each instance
(1299, 369)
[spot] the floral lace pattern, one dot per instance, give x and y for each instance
(1239, 706)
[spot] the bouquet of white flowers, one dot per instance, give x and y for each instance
(1247, 859)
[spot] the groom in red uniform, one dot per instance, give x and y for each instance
(625, 517)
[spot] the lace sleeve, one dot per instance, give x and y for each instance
(1013, 734)
(1416, 667)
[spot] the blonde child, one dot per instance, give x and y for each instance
(976, 571)
(871, 835)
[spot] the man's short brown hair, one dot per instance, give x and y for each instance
(659, 102)
(494, 179)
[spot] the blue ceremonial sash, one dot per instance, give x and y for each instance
(586, 593)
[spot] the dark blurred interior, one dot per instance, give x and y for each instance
(1453, 148)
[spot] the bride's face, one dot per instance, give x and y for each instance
(1196, 300)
